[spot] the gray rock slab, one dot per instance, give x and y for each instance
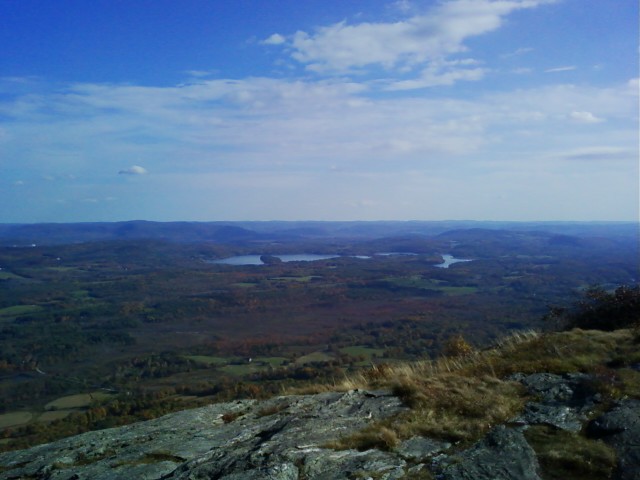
(562, 401)
(503, 454)
(569, 389)
(420, 448)
(559, 416)
(350, 464)
(620, 428)
(243, 439)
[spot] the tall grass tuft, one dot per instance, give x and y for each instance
(460, 398)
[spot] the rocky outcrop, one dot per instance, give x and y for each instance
(503, 454)
(620, 428)
(561, 401)
(288, 438)
(280, 439)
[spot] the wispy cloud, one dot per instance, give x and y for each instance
(517, 53)
(602, 154)
(215, 141)
(261, 123)
(567, 68)
(443, 73)
(413, 42)
(200, 73)
(585, 117)
(133, 170)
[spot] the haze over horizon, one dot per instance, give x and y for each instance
(519, 110)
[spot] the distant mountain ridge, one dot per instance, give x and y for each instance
(253, 231)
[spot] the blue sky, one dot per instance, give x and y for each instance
(318, 110)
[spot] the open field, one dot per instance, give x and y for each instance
(304, 279)
(14, 418)
(418, 282)
(362, 350)
(273, 361)
(314, 357)
(4, 275)
(52, 415)
(207, 360)
(77, 401)
(242, 369)
(16, 310)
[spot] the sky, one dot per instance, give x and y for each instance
(212, 110)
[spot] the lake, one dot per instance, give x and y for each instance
(311, 257)
(255, 259)
(450, 260)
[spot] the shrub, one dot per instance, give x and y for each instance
(457, 346)
(599, 309)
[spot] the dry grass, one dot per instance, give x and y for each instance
(570, 456)
(272, 409)
(231, 416)
(460, 398)
(456, 408)
(445, 406)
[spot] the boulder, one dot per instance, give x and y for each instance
(562, 401)
(620, 428)
(503, 454)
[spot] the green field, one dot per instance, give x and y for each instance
(4, 275)
(302, 279)
(244, 285)
(52, 415)
(362, 350)
(314, 357)
(19, 310)
(417, 281)
(452, 291)
(80, 400)
(207, 360)
(63, 269)
(15, 418)
(256, 365)
(80, 294)
(240, 370)
(273, 361)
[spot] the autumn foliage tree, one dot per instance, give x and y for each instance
(599, 309)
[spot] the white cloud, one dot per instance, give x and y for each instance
(598, 153)
(567, 68)
(263, 123)
(442, 73)
(402, 5)
(289, 131)
(585, 117)
(200, 73)
(133, 170)
(517, 53)
(275, 39)
(438, 33)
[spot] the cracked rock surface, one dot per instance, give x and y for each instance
(620, 428)
(276, 439)
(286, 438)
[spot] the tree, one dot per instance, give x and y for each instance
(599, 309)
